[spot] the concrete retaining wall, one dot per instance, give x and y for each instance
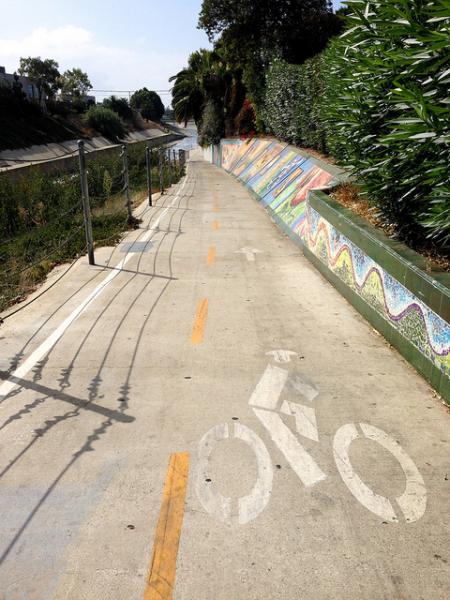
(93, 149)
(389, 284)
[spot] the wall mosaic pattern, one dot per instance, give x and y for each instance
(279, 175)
(416, 322)
(281, 178)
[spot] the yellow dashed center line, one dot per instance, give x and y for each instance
(211, 255)
(215, 225)
(200, 321)
(161, 577)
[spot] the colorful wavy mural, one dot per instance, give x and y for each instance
(281, 178)
(278, 174)
(416, 322)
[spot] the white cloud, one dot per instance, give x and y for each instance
(109, 67)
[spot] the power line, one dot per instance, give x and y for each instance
(126, 91)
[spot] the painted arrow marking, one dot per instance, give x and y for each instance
(249, 253)
(281, 356)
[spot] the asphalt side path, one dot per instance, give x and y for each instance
(203, 417)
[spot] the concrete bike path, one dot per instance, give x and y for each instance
(307, 459)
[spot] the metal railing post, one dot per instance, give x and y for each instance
(169, 167)
(161, 171)
(148, 163)
(175, 166)
(126, 182)
(86, 206)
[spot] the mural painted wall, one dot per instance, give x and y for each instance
(279, 175)
(416, 322)
(281, 178)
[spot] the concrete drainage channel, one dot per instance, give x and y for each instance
(383, 279)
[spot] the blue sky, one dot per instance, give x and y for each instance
(121, 44)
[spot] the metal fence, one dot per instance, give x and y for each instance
(47, 219)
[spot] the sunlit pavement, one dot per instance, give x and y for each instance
(208, 399)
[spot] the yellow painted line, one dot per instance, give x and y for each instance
(211, 255)
(215, 208)
(215, 225)
(161, 577)
(200, 321)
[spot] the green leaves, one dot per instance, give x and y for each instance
(377, 99)
(387, 114)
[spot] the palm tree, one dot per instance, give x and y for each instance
(208, 84)
(188, 92)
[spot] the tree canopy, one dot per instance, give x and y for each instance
(119, 106)
(292, 29)
(149, 104)
(45, 73)
(250, 34)
(75, 83)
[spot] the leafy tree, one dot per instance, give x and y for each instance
(75, 83)
(149, 104)
(253, 33)
(119, 106)
(44, 73)
(297, 29)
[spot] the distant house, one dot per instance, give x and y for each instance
(29, 87)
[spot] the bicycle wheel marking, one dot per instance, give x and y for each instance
(254, 503)
(219, 506)
(265, 401)
(412, 502)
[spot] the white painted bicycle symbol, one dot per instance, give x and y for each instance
(265, 402)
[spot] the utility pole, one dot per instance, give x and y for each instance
(148, 163)
(85, 201)
(126, 183)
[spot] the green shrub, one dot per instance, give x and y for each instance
(212, 126)
(41, 221)
(106, 122)
(281, 101)
(377, 100)
(119, 106)
(60, 108)
(388, 115)
(293, 102)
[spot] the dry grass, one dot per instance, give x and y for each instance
(349, 195)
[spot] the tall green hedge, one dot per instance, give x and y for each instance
(377, 99)
(294, 98)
